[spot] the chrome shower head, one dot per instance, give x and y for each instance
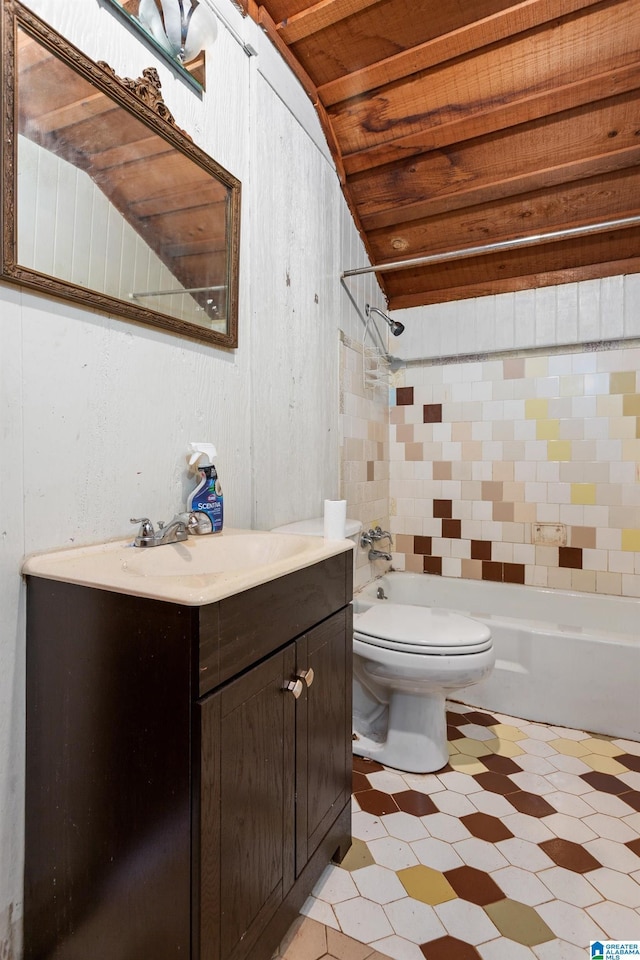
(394, 325)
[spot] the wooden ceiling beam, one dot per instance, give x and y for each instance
(320, 16)
(538, 63)
(485, 288)
(563, 207)
(465, 40)
(573, 145)
(495, 118)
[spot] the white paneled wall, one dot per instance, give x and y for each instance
(96, 412)
(583, 312)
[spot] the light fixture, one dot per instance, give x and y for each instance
(394, 325)
(184, 29)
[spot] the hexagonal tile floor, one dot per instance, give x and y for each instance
(526, 846)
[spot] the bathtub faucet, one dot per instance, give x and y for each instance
(378, 555)
(375, 534)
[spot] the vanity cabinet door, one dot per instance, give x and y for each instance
(246, 816)
(323, 732)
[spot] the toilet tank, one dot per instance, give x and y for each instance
(315, 528)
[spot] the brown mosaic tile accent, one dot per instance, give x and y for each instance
(443, 509)
(376, 802)
(433, 565)
(473, 885)
(584, 537)
(449, 948)
(370, 469)
(513, 368)
(503, 511)
(484, 827)
(404, 396)
(491, 570)
(481, 550)
(432, 413)
(570, 557)
(416, 803)
(531, 804)
(452, 529)
(569, 855)
(496, 783)
(513, 572)
(492, 490)
(422, 546)
(605, 782)
(441, 470)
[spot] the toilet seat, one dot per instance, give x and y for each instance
(425, 631)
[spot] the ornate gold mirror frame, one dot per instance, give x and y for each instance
(106, 201)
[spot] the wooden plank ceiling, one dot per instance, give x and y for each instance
(462, 123)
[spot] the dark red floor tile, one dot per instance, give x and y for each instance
(484, 827)
(569, 855)
(605, 782)
(482, 719)
(473, 885)
(629, 760)
(632, 797)
(455, 719)
(364, 765)
(496, 783)
(449, 948)
(501, 764)
(416, 803)
(531, 804)
(359, 782)
(453, 733)
(634, 846)
(376, 802)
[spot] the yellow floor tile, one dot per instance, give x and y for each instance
(473, 748)
(603, 746)
(569, 748)
(359, 856)
(505, 731)
(504, 748)
(466, 764)
(429, 886)
(604, 764)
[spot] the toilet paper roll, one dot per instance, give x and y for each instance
(335, 519)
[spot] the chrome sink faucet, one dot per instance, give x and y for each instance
(175, 531)
(371, 537)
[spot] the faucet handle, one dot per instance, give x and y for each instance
(146, 530)
(381, 534)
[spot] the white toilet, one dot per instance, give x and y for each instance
(407, 659)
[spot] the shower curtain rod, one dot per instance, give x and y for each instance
(490, 247)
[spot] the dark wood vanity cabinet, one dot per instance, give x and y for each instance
(188, 768)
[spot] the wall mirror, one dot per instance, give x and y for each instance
(106, 201)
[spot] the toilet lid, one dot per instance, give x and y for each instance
(421, 630)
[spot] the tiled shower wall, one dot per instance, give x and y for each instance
(364, 448)
(523, 469)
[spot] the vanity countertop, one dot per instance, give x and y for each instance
(195, 572)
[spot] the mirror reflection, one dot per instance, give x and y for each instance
(114, 206)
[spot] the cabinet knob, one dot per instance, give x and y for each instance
(295, 687)
(307, 676)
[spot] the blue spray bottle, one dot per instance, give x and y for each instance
(206, 499)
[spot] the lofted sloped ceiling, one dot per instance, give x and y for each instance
(465, 123)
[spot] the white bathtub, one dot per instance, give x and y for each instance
(569, 659)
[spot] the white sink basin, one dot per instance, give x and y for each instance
(197, 571)
(209, 555)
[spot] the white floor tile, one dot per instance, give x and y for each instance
(363, 920)
(569, 886)
(570, 923)
(616, 887)
(436, 854)
(414, 920)
(392, 853)
(466, 921)
(521, 885)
